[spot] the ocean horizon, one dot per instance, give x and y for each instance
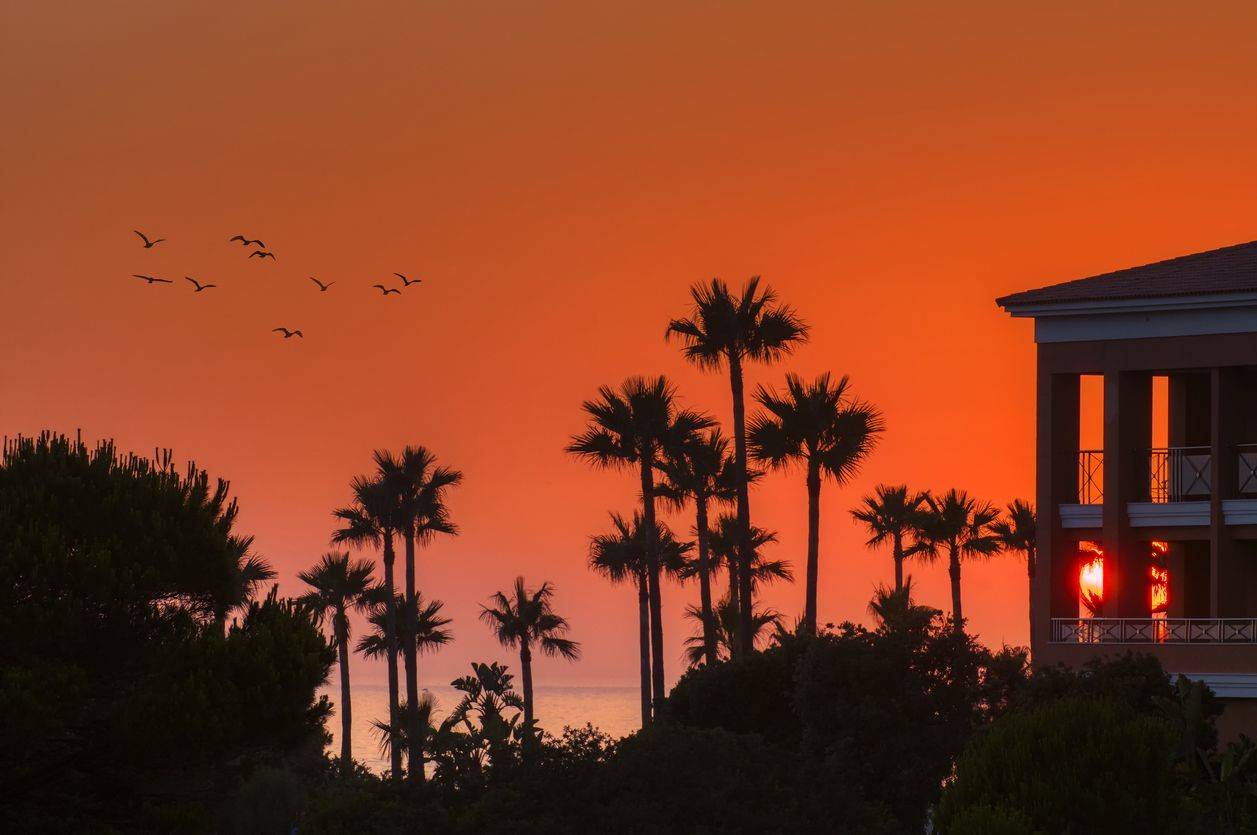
(613, 709)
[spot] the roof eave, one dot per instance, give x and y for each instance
(1099, 307)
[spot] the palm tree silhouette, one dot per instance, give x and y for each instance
(725, 554)
(620, 556)
(821, 428)
(1016, 532)
(526, 619)
(892, 513)
(418, 486)
(727, 622)
(373, 520)
(638, 425)
(701, 470)
(251, 571)
(430, 632)
(733, 330)
(960, 525)
(895, 610)
(338, 586)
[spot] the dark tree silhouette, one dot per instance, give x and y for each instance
(620, 556)
(339, 585)
(525, 619)
(637, 425)
(960, 526)
(892, 513)
(1017, 532)
(828, 433)
(724, 328)
(725, 539)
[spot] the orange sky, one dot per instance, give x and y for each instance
(559, 173)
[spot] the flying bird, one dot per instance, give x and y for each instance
(386, 290)
(147, 243)
(199, 286)
(258, 253)
(152, 280)
(322, 287)
(406, 282)
(287, 333)
(246, 241)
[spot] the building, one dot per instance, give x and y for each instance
(1144, 546)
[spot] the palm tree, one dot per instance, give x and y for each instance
(728, 623)
(724, 539)
(704, 471)
(430, 632)
(821, 428)
(960, 525)
(729, 329)
(620, 556)
(418, 485)
(373, 519)
(895, 610)
(524, 620)
(892, 513)
(250, 572)
(339, 585)
(638, 425)
(1016, 532)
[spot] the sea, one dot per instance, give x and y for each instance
(613, 710)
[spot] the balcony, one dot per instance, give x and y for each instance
(1211, 631)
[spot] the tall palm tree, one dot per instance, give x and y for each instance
(821, 428)
(620, 556)
(734, 329)
(728, 623)
(339, 585)
(373, 519)
(526, 619)
(418, 485)
(725, 539)
(701, 470)
(960, 525)
(892, 513)
(1016, 532)
(637, 425)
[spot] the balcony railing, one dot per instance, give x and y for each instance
(1247, 469)
(1091, 476)
(1179, 474)
(1154, 630)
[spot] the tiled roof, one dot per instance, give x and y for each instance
(1231, 269)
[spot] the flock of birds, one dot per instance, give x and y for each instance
(260, 253)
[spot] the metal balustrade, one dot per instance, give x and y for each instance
(1154, 631)
(1180, 473)
(1247, 455)
(1090, 476)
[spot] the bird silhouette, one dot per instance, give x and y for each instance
(258, 253)
(147, 243)
(386, 290)
(152, 280)
(406, 282)
(287, 333)
(199, 286)
(245, 241)
(322, 287)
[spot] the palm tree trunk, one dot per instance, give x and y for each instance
(953, 570)
(652, 568)
(898, 555)
(525, 665)
(643, 625)
(813, 545)
(733, 594)
(704, 580)
(390, 641)
(743, 644)
(414, 732)
(346, 720)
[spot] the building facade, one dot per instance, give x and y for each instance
(1148, 540)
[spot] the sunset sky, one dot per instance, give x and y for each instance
(559, 174)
